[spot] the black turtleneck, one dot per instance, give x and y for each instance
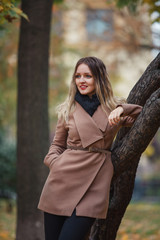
(89, 104)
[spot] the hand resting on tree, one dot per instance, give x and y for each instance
(115, 116)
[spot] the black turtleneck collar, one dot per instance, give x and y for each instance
(89, 104)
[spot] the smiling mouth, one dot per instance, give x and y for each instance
(83, 87)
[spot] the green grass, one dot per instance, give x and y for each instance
(141, 222)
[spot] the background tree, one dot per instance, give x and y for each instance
(32, 136)
(133, 5)
(128, 147)
(133, 30)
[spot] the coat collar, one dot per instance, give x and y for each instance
(90, 128)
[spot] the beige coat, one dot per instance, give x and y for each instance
(81, 179)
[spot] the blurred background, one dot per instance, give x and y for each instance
(127, 41)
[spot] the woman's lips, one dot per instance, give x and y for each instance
(83, 87)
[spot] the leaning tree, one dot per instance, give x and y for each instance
(127, 149)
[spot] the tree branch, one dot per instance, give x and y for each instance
(147, 84)
(139, 136)
(149, 47)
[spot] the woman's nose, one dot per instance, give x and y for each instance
(82, 79)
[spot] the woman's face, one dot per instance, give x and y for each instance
(84, 80)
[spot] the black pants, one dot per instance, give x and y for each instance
(66, 228)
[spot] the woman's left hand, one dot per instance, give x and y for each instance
(115, 116)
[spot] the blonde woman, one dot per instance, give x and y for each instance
(76, 191)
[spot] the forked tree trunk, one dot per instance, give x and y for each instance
(127, 149)
(32, 114)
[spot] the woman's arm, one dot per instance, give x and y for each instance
(126, 113)
(58, 145)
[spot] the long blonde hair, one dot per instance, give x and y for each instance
(102, 84)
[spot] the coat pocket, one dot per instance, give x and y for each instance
(53, 161)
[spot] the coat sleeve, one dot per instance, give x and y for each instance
(131, 112)
(58, 145)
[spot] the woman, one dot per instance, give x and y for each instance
(76, 191)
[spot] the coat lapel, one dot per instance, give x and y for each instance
(100, 118)
(90, 129)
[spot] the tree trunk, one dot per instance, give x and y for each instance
(127, 149)
(32, 115)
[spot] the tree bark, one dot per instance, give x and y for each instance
(32, 115)
(127, 149)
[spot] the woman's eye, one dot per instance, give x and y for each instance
(88, 76)
(78, 76)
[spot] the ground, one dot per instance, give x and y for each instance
(141, 222)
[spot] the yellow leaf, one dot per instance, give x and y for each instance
(4, 235)
(20, 13)
(125, 237)
(25, 16)
(149, 150)
(17, 10)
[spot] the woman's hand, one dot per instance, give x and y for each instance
(115, 116)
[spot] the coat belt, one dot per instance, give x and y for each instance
(89, 149)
